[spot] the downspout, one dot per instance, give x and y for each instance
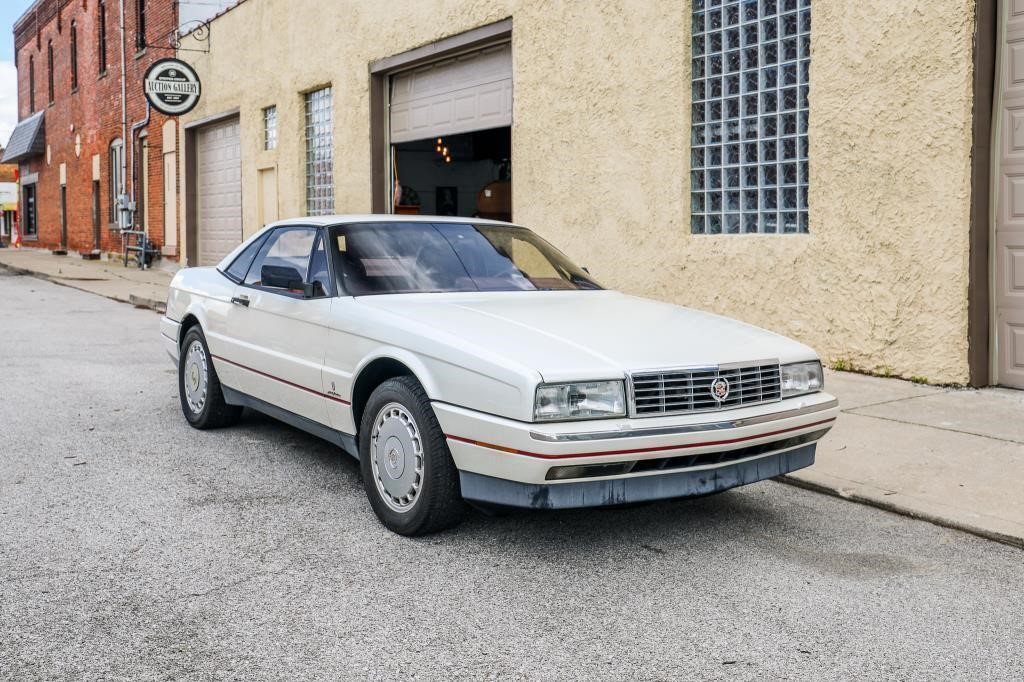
(137, 127)
(124, 106)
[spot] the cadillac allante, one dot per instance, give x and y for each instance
(464, 360)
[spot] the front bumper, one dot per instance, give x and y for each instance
(169, 330)
(570, 454)
(617, 491)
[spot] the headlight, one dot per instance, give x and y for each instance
(585, 400)
(801, 377)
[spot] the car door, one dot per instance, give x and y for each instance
(278, 322)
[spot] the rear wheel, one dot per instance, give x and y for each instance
(408, 472)
(202, 400)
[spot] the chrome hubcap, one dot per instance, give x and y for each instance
(197, 377)
(396, 455)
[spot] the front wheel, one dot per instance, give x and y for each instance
(408, 472)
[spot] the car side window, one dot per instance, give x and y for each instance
(283, 260)
(240, 266)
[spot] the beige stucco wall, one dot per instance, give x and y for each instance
(601, 154)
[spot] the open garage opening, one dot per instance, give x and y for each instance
(467, 174)
(446, 114)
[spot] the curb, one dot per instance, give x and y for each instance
(1011, 540)
(21, 271)
(137, 301)
(147, 303)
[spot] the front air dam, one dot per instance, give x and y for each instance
(629, 490)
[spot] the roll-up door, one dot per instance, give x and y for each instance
(1009, 235)
(218, 191)
(456, 95)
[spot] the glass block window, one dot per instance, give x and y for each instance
(270, 128)
(319, 152)
(751, 61)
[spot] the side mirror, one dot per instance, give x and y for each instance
(281, 277)
(585, 269)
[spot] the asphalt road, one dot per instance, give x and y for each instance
(134, 547)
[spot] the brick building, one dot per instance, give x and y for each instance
(83, 138)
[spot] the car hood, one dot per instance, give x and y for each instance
(578, 335)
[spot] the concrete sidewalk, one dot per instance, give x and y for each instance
(954, 457)
(109, 278)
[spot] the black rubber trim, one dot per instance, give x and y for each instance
(343, 440)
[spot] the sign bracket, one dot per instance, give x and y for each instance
(199, 30)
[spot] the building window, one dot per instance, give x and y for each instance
(751, 62)
(101, 40)
(319, 153)
(49, 68)
(140, 24)
(74, 55)
(31, 85)
(115, 173)
(29, 211)
(270, 128)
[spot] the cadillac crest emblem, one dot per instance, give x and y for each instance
(719, 389)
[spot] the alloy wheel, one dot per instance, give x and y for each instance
(396, 454)
(196, 376)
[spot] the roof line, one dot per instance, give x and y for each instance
(32, 9)
(24, 16)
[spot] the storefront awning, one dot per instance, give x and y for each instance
(27, 140)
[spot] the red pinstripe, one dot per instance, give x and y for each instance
(283, 381)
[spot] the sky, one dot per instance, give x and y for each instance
(10, 10)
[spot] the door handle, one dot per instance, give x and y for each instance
(240, 300)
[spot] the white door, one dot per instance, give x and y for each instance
(277, 333)
(1009, 236)
(456, 95)
(218, 191)
(170, 208)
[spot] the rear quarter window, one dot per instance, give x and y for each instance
(240, 266)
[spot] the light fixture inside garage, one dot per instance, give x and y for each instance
(443, 150)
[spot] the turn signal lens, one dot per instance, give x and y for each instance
(585, 400)
(801, 377)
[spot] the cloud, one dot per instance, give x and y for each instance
(8, 101)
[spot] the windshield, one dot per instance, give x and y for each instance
(398, 257)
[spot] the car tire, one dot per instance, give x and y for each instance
(199, 389)
(408, 471)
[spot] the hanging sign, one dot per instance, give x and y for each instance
(172, 87)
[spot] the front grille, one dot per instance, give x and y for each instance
(690, 390)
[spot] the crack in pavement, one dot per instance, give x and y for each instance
(932, 426)
(888, 402)
(229, 585)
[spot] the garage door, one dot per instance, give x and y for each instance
(218, 191)
(458, 95)
(1009, 236)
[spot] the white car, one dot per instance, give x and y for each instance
(466, 359)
